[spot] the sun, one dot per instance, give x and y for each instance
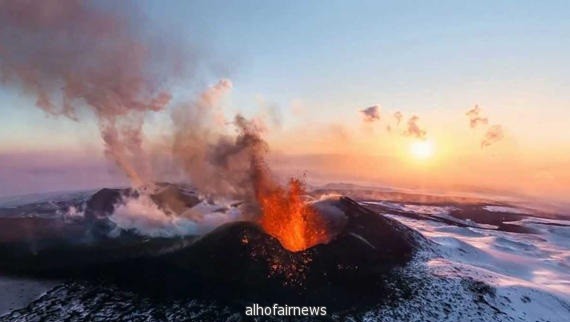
(422, 149)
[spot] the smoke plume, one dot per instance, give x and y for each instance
(398, 116)
(145, 217)
(414, 129)
(475, 117)
(218, 163)
(493, 135)
(70, 54)
(371, 113)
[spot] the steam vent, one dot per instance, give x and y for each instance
(238, 262)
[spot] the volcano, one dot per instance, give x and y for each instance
(386, 256)
(236, 262)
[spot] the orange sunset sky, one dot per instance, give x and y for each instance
(308, 75)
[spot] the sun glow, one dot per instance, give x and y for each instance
(422, 149)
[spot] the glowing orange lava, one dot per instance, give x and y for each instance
(287, 217)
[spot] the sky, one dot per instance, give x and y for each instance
(309, 67)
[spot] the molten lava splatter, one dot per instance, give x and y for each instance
(287, 217)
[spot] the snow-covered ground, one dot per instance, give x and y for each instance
(470, 271)
(19, 200)
(428, 211)
(479, 274)
(507, 209)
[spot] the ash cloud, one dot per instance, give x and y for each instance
(143, 216)
(493, 135)
(70, 54)
(218, 163)
(398, 116)
(414, 129)
(371, 114)
(475, 117)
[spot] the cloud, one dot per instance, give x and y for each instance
(493, 135)
(398, 116)
(414, 129)
(475, 117)
(371, 113)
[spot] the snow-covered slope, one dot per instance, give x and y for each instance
(485, 274)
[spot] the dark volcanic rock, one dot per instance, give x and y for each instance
(100, 206)
(175, 198)
(240, 260)
(239, 263)
(169, 197)
(102, 203)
